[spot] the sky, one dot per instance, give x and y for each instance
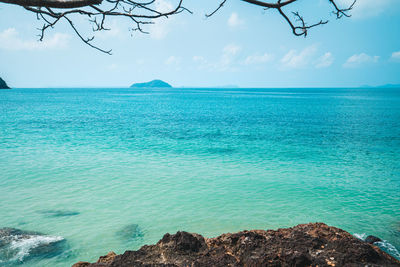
(241, 45)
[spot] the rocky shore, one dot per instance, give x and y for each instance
(314, 244)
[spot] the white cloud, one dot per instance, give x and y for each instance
(161, 27)
(308, 57)
(395, 56)
(228, 57)
(258, 59)
(172, 60)
(234, 21)
(198, 59)
(324, 61)
(163, 6)
(112, 66)
(201, 62)
(226, 62)
(140, 61)
(10, 40)
(367, 8)
(231, 49)
(113, 32)
(358, 60)
(295, 60)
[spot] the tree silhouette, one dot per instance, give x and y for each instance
(143, 12)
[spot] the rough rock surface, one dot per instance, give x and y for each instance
(314, 244)
(372, 239)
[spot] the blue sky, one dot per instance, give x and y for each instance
(241, 45)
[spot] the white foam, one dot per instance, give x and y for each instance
(389, 248)
(384, 245)
(361, 236)
(25, 245)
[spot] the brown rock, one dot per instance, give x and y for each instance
(107, 258)
(314, 244)
(81, 264)
(372, 239)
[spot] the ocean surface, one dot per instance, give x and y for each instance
(99, 170)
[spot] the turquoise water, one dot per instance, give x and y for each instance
(84, 164)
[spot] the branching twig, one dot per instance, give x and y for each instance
(342, 12)
(215, 10)
(301, 29)
(140, 13)
(143, 12)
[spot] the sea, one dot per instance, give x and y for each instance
(85, 171)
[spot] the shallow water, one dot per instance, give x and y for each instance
(87, 164)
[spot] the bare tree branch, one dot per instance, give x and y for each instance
(54, 3)
(278, 4)
(215, 11)
(342, 12)
(139, 13)
(144, 12)
(301, 28)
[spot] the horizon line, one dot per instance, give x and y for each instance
(215, 87)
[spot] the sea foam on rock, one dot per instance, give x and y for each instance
(19, 246)
(382, 244)
(372, 239)
(313, 244)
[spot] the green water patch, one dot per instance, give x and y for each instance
(131, 232)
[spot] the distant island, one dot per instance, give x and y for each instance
(389, 85)
(3, 84)
(152, 84)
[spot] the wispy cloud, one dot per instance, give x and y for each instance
(309, 57)
(258, 59)
(231, 49)
(199, 59)
(228, 57)
(161, 27)
(113, 31)
(296, 60)
(140, 61)
(359, 60)
(395, 56)
(112, 66)
(367, 8)
(10, 40)
(234, 21)
(202, 63)
(172, 60)
(324, 61)
(228, 61)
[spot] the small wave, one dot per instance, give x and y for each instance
(221, 150)
(361, 236)
(18, 245)
(23, 247)
(383, 245)
(388, 248)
